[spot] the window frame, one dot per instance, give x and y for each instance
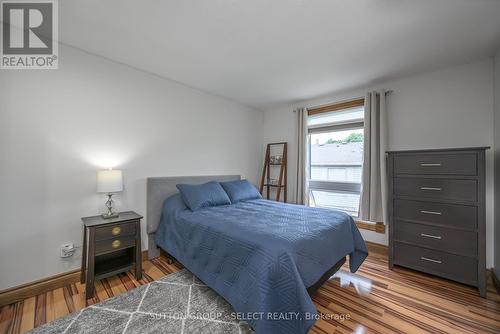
(334, 186)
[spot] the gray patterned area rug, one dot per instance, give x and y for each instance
(178, 303)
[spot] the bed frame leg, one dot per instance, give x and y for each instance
(153, 250)
(326, 276)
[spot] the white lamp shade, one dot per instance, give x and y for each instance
(109, 181)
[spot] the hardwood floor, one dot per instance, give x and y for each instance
(374, 299)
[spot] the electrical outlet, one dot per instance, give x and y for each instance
(67, 249)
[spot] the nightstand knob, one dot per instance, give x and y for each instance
(116, 244)
(116, 230)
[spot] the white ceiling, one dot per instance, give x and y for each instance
(267, 52)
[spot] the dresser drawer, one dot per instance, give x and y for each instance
(443, 239)
(116, 230)
(437, 164)
(456, 267)
(446, 189)
(453, 215)
(110, 245)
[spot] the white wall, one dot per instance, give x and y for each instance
(452, 107)
(497, 163)
(58, 127)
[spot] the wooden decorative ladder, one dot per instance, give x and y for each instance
(269, 163)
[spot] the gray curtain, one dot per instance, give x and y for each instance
(373, 203)
(301, 188)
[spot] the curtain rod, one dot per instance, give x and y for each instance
(387, 92)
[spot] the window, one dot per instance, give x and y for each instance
(336, 156)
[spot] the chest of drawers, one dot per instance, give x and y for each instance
(437, 213)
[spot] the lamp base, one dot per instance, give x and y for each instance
(109, 216)
(109, 205)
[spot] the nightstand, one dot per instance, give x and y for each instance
(110, 246)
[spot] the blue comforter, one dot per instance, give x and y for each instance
(261, 256)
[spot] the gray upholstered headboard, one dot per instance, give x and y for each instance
(158, 190)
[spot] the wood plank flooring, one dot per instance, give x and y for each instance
(373, 300)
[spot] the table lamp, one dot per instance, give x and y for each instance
(109, 182)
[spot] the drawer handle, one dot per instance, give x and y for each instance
(431, 165)
(430, 260)
(431, 212)
(116, 230)
(430, 236)
(116, 244)
(430, 188)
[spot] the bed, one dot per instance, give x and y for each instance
(265, 258)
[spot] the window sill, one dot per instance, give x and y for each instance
(377, 227)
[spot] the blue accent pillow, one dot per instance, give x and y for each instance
(240, 190)
(197, 196)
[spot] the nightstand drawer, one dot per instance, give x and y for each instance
(455, 267)
(116, 230)
(436, 164)
(446, 189)
(438, 238)
(110, 245)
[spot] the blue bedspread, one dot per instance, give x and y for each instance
(261, 256)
